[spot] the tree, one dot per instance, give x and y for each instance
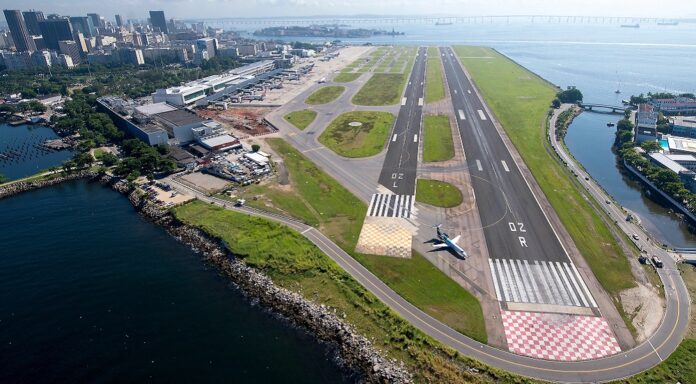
(572, 95)
(255, 147)
(68, 166)
(108, 159)
(651, 146)
(556, 103)
(624, 125)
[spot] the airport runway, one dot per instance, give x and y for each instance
(401, 161)
(646, 355)
(528, 261)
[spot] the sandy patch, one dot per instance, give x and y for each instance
(646, 306)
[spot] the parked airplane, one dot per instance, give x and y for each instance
(449, 243)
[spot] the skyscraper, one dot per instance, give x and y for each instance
(84, 25)
(97, 21)
(119, 21)
(20, 33)
(54, 30)
(159, 22)
(32, 18)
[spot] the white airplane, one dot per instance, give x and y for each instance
(446, 242)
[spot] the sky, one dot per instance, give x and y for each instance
(184, 9)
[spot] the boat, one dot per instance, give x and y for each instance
(663, 23)
(610, 124)
(630, 25)
(443, 23)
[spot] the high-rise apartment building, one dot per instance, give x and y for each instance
(159, 22)
(20, 34)
(84, 25)
(119, 21)
(54, 30)
(31, 19)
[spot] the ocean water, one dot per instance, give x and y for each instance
(92, 292)
(19, 155)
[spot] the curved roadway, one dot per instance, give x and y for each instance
(644, 356)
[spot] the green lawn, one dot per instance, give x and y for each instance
(346, 77)
(437, 193)
(301, 119)
(520, 101)
(679, 367)
(435, 84)
(325, 95)
(381, 89)
(339, 215)
(437, 144)
(368, 139)
(296, 264)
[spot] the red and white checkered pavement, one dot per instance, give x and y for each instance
(561, 337)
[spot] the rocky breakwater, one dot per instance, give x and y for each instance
(354, 351)
(11, 189)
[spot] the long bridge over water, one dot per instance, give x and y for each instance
(442, 20)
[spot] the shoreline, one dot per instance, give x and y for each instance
(353, 352)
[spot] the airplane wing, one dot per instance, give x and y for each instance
(441, 245)
(456, 239)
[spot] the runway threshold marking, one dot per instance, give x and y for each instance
(394, 137)
(461, 115)
(403, 101)
(482, 115)
(478, 165)
(505, 166)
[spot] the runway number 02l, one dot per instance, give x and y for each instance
(397, 176)
(519, 227)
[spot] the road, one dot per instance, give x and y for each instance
(401, 161)
(628, 363)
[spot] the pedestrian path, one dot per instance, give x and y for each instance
(539, 282)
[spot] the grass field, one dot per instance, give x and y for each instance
(368, 139)
(321, 201)
(301, 119)
(434, 85)
(381, 89)
(296, 264)
(325, 95)
(346, 77)
(438, 144)
(437, 193)
(520, 101)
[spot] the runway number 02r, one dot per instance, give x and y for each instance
(519, 227)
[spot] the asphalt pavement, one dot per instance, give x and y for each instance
(401, 161)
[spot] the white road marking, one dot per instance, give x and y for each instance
(567, 285)
(575, 284)
(505, 166)
(455, 91)
(372, 204)
(469, 90)
(420, 101)
(403, 101)
(415, 138)
(478, 165)
(495, 277)
(587, 291)
(461, 114)
(409, 83)
(394, 137)
(481, 115)
(503, 280)
(306, 230)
